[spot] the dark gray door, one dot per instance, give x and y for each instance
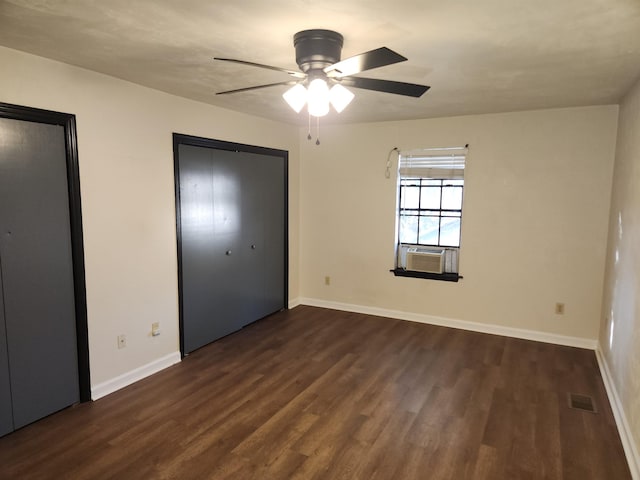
(263, 236)
(232, 207)
(37, 273)
(209, 194)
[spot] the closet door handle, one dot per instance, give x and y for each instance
(228, 252)
(253, 247)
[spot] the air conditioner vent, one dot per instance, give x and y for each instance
(425, 260)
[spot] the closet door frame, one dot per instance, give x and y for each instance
(68, 122)
(182, 139)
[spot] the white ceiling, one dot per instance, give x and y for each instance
(478, 56)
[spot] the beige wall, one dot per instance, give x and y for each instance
(126, 173)
(534, 228)
(620, 332)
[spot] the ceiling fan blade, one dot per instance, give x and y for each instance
(293, 73)
(379, 57)
(246, 89)
(387, 86)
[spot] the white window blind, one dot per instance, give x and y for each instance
(442, 163)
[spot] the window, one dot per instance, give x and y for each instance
(429, 213)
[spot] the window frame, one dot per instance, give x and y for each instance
(422, 166)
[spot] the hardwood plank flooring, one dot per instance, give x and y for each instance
(315, 394)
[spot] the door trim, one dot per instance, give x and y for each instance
(182, 139)
(68, 122)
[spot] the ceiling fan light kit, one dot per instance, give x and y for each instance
(323, 75)
(318, 97)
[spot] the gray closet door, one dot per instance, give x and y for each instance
(210, 225)
(263, 236)
(37, 275)
(232, 240)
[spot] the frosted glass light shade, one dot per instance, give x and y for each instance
(296, 97)
(340, 97)
(318, 98)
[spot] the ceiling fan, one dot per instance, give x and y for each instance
(323, 76)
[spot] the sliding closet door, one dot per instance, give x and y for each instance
(232, 240)
(211, 216)
(37, 270)
(263, 235)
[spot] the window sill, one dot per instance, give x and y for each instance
(444, 277)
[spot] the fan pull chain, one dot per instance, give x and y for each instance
(317, 130)
(309, 134)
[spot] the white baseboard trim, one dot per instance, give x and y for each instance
(453, 323)
(121, 381)
(294, 303)
(624, 429)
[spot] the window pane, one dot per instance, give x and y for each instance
(410, 197)
(451, 214)
(450, 232)
(432, 182)
(410, 181)
(428, 230)
(408, 229)
(454, 182)
(430, 198)
(452, 198)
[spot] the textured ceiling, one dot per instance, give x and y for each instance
(478, 56)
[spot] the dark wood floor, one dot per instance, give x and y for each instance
(321, 394)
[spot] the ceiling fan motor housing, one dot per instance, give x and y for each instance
(317, 49)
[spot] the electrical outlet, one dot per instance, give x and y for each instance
(559, 308)
(327, 280)
(155, 329)
(122, 341)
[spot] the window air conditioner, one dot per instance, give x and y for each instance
(425, 260)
